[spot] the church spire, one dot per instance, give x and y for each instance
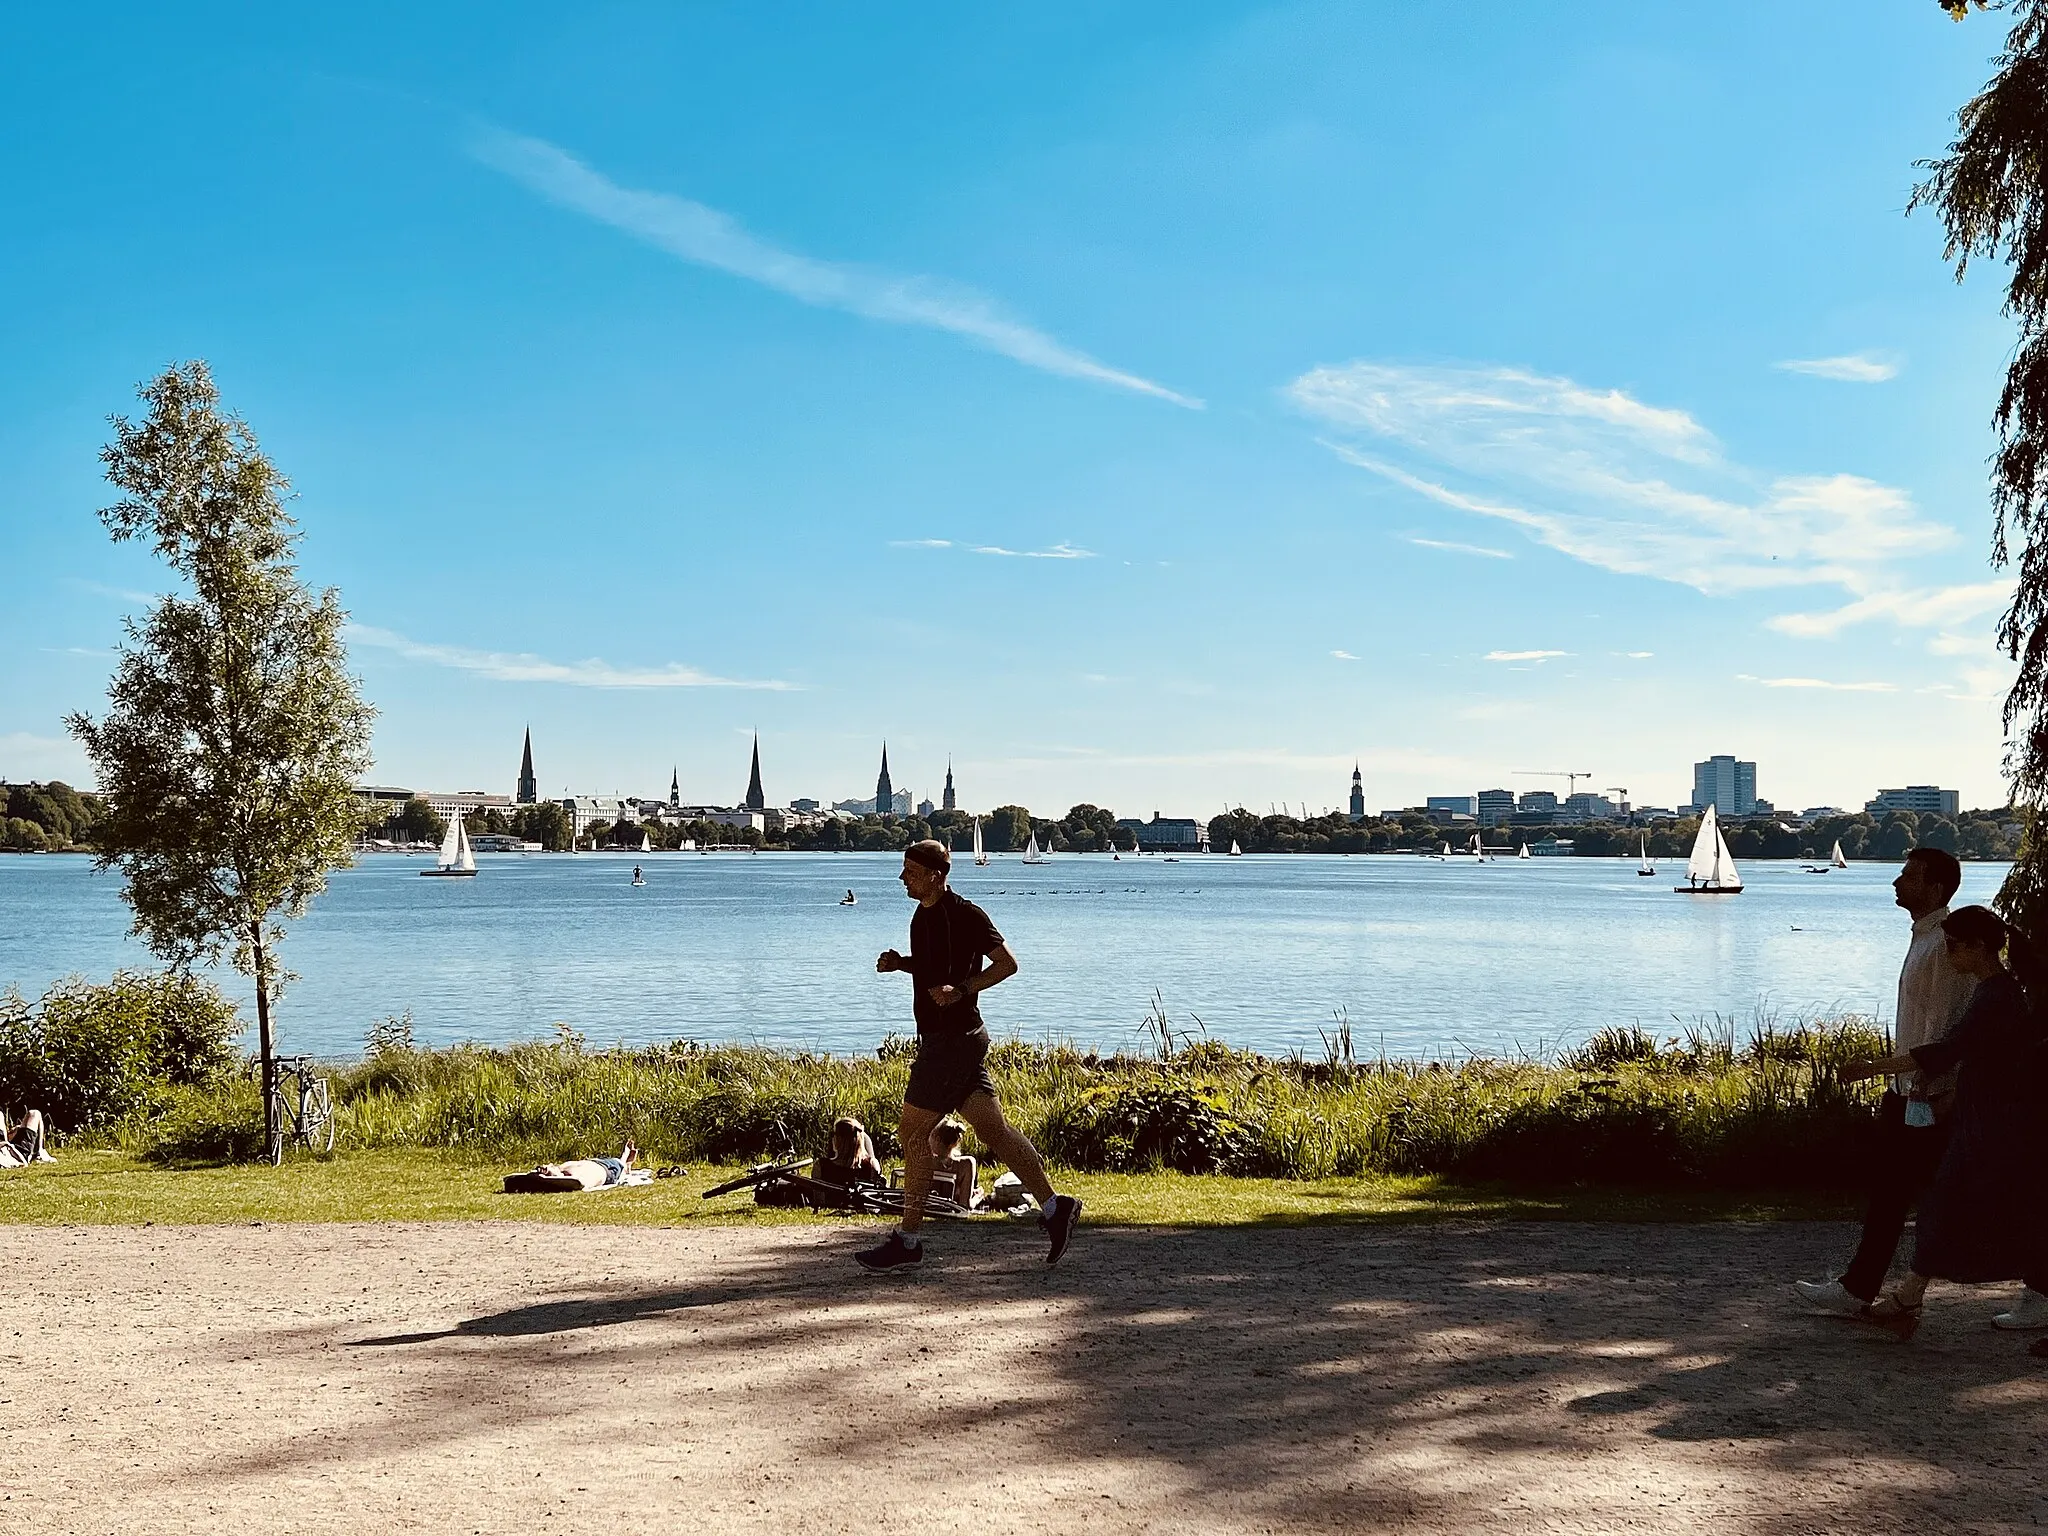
(756, 800)
(950, 802)
(528, 791)
(885, 792)
(675, 788)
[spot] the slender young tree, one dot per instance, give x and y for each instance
(1990, 191)
(234, 734)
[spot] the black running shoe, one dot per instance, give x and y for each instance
(1059, 1221)
(892, 1254)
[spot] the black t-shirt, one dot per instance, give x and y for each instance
(948, 941)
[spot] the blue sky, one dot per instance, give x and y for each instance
(1157, 405)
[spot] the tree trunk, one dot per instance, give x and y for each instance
(264, 1046)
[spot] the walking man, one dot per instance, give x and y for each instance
(1912, 1130)
(950, 937)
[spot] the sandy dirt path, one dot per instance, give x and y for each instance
(1439, 1378)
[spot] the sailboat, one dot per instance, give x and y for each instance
(1478, 849)
(980, 857)
(1646, 867)
(1711, 869)
(1836, 858)
(1033, 854)
(1235, 851)
(456, 857)
(1524, 853)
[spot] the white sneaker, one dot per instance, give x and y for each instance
(1829, 1296)
(2032, 1312)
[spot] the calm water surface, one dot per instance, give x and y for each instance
(1424, 957)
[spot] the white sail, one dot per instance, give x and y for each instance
(1711, 866)
(1447, 851)
(979, 856)
(1836, 859)
(1032, 852)
(1645, 866)
(465, 857)
(1478, 849)
(1235, 851)
(1524, 853)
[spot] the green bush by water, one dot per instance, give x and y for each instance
(97, 1056)
(1625, 1109)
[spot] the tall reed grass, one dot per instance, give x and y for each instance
(1702, 1109)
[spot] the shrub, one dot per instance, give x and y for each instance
(95, 1056)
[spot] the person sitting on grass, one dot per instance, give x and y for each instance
(952, 1165)
(23, 1142)
(850, 1159)
(586, 1172)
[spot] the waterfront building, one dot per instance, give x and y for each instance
(808, 807)
(1496, 806)
(587, 810)
(741, 818)
(1821, 812)
(948, 801)
(1727, 785)
(1357, 794)
(1452, 805)
(386, 800)
(1921, 799)
(465, 803)
(1587, 806)
(1552, 848)
(528, 792)
(885, 793)
(1537, 800)
(1168, 834)
(756, 800)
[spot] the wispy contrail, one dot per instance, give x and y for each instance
(702, 234)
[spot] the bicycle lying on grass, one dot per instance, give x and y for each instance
(302, 1110)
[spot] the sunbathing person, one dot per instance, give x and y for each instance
(23, 1142)
(850, 1160)
(950, 1166)
(586, 1172)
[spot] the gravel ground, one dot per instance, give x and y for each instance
(1427, 1378)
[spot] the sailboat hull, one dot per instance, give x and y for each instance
(447, 874)
(1708, 890)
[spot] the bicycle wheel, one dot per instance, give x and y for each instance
(316, 1116)
(280, 1126)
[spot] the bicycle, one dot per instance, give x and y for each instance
(305, 1116)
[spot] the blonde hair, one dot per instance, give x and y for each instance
(950, 1133)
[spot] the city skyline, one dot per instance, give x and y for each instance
(1172, 432)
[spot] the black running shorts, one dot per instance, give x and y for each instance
(949, 1070)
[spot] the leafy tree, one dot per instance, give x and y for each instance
(546, 823)
(419, 822)
(1007, 829)
(234, 733)
(24, 836)
(1089, 828)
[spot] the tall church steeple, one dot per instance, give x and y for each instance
(756, 800)
(950, 803)
(675, 788)
(885, 792)
(1357, 794)
(529, 790)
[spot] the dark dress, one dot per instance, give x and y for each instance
(1986, 1216)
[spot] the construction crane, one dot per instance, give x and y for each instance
(1616, 789)
(1571, 779)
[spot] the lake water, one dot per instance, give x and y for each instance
(1426, 958)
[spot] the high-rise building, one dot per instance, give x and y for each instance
(1496, 807)
(1725, 784)
(1453, 805)
(529, 791)
(947, 801)
(926, 809)
(1357, 794)
(756, 800)
(1921, 799)
(885, 792)
(1587, 806)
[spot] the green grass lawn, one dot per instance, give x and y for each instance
(88, 1187)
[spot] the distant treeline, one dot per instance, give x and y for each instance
(52, 817)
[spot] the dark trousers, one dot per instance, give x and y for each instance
(1903, 1163)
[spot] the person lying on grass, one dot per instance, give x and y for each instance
(586, 1172)
(23, 1142)
(850, 1159)
(953, 1166)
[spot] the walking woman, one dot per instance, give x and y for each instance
(1986, 1216)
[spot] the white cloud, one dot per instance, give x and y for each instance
(1522, 655)
(704, 235)
(1854, 368)
(1624, 486)
(920, 543)
(519, 667)
(1060, 551)
(1948, 644)
(1918, 608)
(1454, 548)
(1638, 655)
(1815, 682)
(1343, 655)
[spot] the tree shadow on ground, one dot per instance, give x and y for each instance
(1454, 1376)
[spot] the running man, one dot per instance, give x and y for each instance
(949, 938)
